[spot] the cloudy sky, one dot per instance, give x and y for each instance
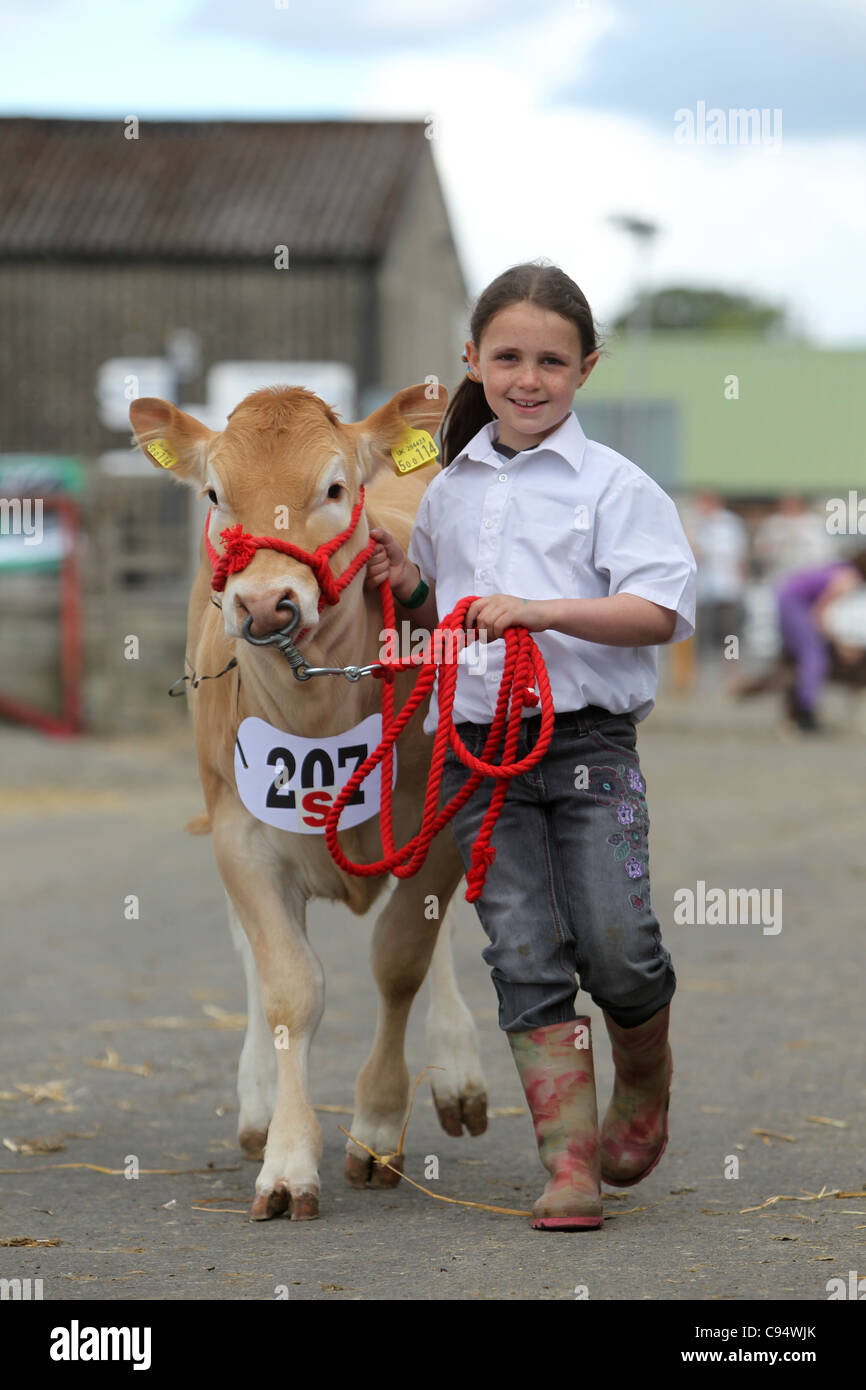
(548, 119)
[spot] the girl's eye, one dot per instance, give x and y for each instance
(212, 497)
(503, 356)
(335, 490)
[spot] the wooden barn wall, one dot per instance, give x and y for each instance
(60, 322)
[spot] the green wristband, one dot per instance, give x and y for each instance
(417, 597)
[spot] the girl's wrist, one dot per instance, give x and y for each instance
(407, 583)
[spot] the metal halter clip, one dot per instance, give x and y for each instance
(284, 643)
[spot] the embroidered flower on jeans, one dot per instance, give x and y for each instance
(633, 867)
(625, 813)
(605, 785)
(634, 781)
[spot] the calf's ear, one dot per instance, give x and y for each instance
(413, 408)
(171, 439)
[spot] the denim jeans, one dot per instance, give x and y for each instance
(569, 890)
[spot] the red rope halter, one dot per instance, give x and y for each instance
(240, 547)
(523, 665)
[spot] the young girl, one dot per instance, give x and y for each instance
(572, 541)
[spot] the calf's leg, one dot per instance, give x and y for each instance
(403, 943)
(293, 994)
(257, 1068)
(458, 1085)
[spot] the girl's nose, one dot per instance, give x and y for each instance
(527, 379)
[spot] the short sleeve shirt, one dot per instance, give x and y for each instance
(567, 518)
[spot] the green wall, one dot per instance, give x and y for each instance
(799, 423)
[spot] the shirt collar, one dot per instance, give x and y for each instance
(567, 440)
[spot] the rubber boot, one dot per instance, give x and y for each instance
(635, 1129)
(558, 1079)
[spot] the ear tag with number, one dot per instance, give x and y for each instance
(159, 450)
(417, 449)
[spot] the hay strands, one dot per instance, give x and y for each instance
(808, 1197)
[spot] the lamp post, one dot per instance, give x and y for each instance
(643, 235)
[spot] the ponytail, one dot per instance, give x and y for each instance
(467, 413)
(533, 282)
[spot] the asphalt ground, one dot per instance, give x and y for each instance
(120, 1042)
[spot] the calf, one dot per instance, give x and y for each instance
(285, 457)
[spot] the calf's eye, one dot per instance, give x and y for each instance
(212, 497)
(335, 490)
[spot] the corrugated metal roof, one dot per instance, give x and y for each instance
(203, 190)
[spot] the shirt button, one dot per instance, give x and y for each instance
(488, 524)
(503, 477)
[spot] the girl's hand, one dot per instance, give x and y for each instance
(490, 616)
(387, 561)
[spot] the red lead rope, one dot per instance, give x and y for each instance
(523, 663)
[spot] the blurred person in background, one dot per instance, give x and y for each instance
(803, 598)
(720, 543)
(793, 537)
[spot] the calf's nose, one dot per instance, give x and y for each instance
(265, 611)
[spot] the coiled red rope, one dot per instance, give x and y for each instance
(523, 665)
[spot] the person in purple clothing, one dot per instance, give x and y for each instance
(802, 598)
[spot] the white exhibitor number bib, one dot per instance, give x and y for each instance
(292, 782)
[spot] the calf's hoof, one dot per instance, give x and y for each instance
(301, 1206)
(267, 1205)
(455, 1112)
(362, 1169)
(305, 1206)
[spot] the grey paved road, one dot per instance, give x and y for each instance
(767, 1031)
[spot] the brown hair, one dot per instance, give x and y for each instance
(532, 282)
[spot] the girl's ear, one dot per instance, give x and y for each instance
(170, 439)
(414, 408)
(586, 367)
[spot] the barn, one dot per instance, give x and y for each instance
(128, 248)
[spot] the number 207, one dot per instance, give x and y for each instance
(281, 795)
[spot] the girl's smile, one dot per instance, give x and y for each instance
(530, 361)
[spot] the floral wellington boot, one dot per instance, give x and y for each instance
(555, 1067)
(635, 1129)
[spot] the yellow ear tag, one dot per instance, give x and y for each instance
(417, 449)
(159, 450)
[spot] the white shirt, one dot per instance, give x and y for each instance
(788, 542)
(721, 540)
(568, 518)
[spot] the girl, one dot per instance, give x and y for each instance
(572, 541)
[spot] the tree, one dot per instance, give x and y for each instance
(680, 308)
